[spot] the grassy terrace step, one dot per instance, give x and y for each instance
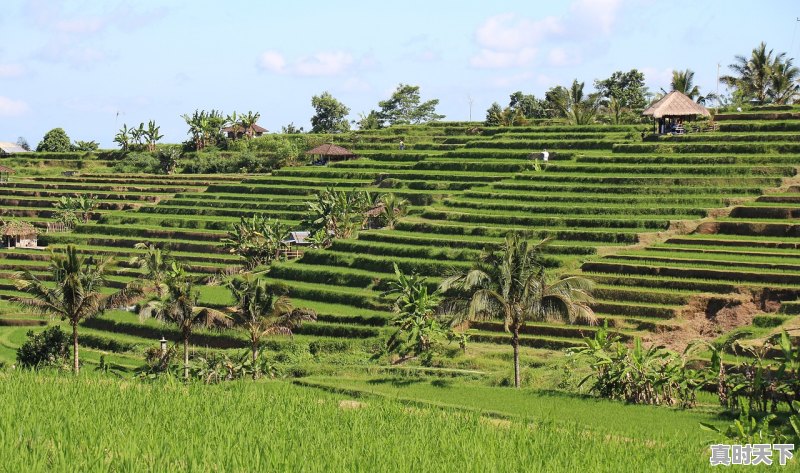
(312, 176)
(543, 329)
(223, 212)
(499, 231)
(553, 343)
(129, 242)
(18, 254)
(289, 272)
(636, 309)
(45, 202)
(513, 219)
(549, 208)
(201, 201)
(760, 126)
(301, 189)
(474, 243)
(599, 188)
(651, 295)
(170, 177)
(710, 260)
(723, 251)
(474, 166)
(729, 137)
(687, 159)
(383, 265)
(670, 283)
(742, 147)
(149, 232)
(757, 212)
(543, 143)
(693, 272)
(154, 189)
(655, 180)
(706, 170)
(575, 197)
(780, 198)
(126, 196)
(411, 175)
(774, 228)
(405, 251)
(150, 180)
(736, 241)
(361, 298)
(171, 221)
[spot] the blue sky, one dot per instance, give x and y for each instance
(90, 66)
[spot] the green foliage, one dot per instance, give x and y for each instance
(623, 92)
(528, 105)
(73, 210)
(510, 116)
(87, 146)
(55, 141)
(405, 107)
(49, 348)
(339, 213)
(258, 240)
(764, 76)
(330, 115)
(370, 121)
(291, 129)
(573, 104)
(214, 368)
(205, 128)
(138, 163)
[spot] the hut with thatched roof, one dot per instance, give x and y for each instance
(5, 172)
(330, 152)
(17, 234)
(237, 131)
(670, 112)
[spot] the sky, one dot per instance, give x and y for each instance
(91, 66)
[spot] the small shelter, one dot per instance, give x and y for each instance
(330, 152)
(5, 172)
(236, 132)
(11, 148)
(18, 235)
(374, 217)
(296, 244)
(670, 112)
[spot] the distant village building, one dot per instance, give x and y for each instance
(7, 148)
(330, 152)
(18, 235)
(236, 132)
(296, 245)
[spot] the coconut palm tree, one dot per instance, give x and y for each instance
(263, 310)
(512, 286)
(683, 82)
(156, 265)
(784, 87)
(76, 293)
(578, 107)
(752, 75)
(179, 307)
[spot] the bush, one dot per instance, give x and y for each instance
(48, 348)
(55, 141)
(138, 163)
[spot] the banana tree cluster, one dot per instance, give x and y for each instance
(139, 138)
(258, 240)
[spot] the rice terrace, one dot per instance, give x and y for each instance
(547, 238)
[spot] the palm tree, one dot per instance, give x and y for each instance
(156, 264)
(179, 307)
(683, 82)
(264, 311)
(248, 120)
(574, 104)
(752, 75)
(511, 285)
(76, 295)
(394, 208)
(784, 86)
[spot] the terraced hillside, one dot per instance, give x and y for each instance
(602, 190)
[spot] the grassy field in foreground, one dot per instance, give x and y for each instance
(52, 422)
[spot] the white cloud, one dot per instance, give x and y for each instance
(319, 64)
(491, 59)
(509, 40)
(80, 25)
(272, 61)
(12, 108)
(324, 64)
(11, 70)
(657, 78)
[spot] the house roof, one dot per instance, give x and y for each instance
(6, 170)
(298, 238)
(330, 149)
(17, 228)
(375, 211)
(256, 129)
(11, 148)
(675, 104)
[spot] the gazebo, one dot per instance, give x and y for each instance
(330, 152)
(18, 235)
(669, 112)
(5, 173)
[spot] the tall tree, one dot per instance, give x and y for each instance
(784, 87)
(369, 121)
(330, 115)
(76, 293)
(152, 134)
(511, 285)
(249, 121)
(576, 106)
(752, 75)
(179, 307)
(155, 264)
(123, 137)
(405, 107)
(623, 91)
(263, 310)
(55, 141)
(528, 105)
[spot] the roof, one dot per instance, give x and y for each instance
(329, 149)
(675, 104)
(375, 211)
(16, 228)
(256, 129)
(11, 148)
(6, 170)
(298, 238)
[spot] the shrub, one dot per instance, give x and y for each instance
(48, 348)
(55, 141)
(138, 163)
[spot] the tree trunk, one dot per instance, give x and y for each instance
(255, 357)
(515, 344)
(186, 356)
(76, 366)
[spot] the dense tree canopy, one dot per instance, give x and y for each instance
(330, 115)
(55, 141)
(405, 107)
(622, 92)
(764, 76)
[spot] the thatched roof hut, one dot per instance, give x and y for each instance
(674, 105)
(18, 234)
(238, 131)
(331, 152)
(4, 173)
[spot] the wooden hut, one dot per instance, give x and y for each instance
(236, 132)
(5, 172)
(330, 152)
(18, 235)
(295, 245)
(374, 217)
(672, 110)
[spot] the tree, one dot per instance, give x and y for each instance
(179, 306)
(168, 158)
(152, 135)
(509, 116)
(573, 104)
(248, 122)
(85, 145)
(418, 326)
(291, 129)
(204, 127)
(683, 82)
(73, 210)
(263, 310)
(494, 115)
(512, 285)
(156, 265)
(55, 141)
(330, 115)
(404, 107)
(23, 143)
(528, 105)
(784, 87)
(123, 137)
(394, 208)
(623, 91)
(47, 348)
(753, 77)
(339, 213)
(77, 292)
(258, 240)
(370, 121)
